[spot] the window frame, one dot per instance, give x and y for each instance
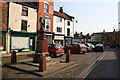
(68, 23)
(59, 29)
(46, 8)
(59, 19)
(23, 26)
(23, 10)
(68, 31)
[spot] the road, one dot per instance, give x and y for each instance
(107, 67)
(82, 61)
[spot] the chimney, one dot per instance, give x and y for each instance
(61, 9)
(104, 31)
(114, 30)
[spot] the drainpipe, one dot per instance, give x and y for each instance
(73, 31)
(8, 32)
(36, 26)
(64, 34)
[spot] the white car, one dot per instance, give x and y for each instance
(90, 45)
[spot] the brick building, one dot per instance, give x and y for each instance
(3, 27)
(21, 21)
(45, 15)
(111, 38)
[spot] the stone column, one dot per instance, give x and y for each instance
(8, 42)
(42, 45)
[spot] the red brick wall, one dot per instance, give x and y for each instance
(50, 14)
(4, 7)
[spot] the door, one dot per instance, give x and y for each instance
(32, 43)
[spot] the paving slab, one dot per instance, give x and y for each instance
(56, 67)
(33, 68)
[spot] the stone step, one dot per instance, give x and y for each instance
(33, 68)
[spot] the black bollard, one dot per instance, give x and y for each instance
(68, 56)
(13, 57)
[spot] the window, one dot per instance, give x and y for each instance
(47, 24)
(68, 23)
(24, 11)
(24, 25)
(59, 19)
(46, 6)
(68, 31)
(59, 29)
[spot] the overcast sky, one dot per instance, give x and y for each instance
(92, 15)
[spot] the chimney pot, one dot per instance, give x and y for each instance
(61, 9)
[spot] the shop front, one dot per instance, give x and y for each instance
(68, 40)
(59, 38)
(22, 41)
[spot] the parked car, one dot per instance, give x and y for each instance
(84, 48)
(113, 45)
(99, 47)
(76, 48)
(55, 50)
(91, 46)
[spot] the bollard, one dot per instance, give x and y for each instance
(13, 57)
(68, 56)
(42, 63)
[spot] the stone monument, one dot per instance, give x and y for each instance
(42, 45)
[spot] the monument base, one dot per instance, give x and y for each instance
(36, 58)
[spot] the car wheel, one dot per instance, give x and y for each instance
(52, 55)
(61, 54)
(102, 50)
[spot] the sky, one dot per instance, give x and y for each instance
(92, 15)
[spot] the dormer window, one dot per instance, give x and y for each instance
(24, 11)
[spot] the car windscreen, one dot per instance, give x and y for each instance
(99, 45)
(88, 44)
(82, 45)
(58, 46)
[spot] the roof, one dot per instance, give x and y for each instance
(29, 4)
(63, 15)
(96, 34)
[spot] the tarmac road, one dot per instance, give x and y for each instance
(108, 66)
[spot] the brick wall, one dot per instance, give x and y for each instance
(112, 38)
(50, 14)
(4, 7)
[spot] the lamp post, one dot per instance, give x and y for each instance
(74, 27)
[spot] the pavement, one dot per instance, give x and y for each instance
(80, 64)
(108, 66)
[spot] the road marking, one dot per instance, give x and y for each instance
(94, 64)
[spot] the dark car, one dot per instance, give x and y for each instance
(76, 48)
(55, 49)
(113, 45)
(99, 48)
